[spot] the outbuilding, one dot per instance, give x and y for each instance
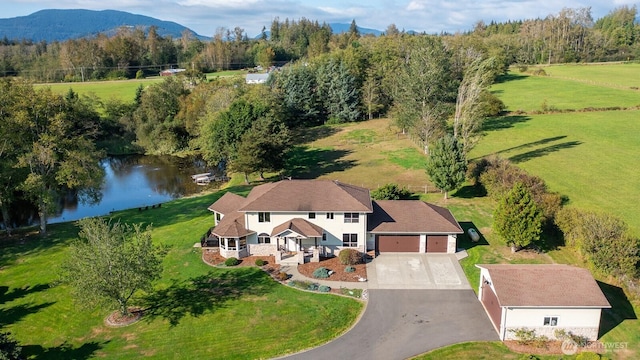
(543, 298)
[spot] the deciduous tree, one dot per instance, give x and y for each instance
(110, 262)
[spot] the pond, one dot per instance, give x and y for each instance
(130, 182)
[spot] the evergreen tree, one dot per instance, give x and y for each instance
(517, 218)
(447, 165)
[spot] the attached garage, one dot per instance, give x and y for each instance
(398, 243)
(437, 243)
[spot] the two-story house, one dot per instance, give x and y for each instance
(325, 217)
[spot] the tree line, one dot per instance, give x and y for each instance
(572, 35)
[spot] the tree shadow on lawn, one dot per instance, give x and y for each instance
(504, 122)
(532, 144)
(464, 241)
(62, 352)
(204, 293)
(621, 308)
(29, 242)
(16, 293)
(13, 314)
(510, 77)
(543, 151)
(470, 192)
(306, 135)
(310, 163)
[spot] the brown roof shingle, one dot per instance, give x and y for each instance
(300, 226)
(232, 226)
(227, 203)
(308, 195)
(545, 285)
(411, 216)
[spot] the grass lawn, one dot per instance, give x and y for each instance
(488, 350)
(199, 311)
(588, 157)
(527, 93)
(124, 90)
(618, 76)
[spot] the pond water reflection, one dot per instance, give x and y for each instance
(131, 182)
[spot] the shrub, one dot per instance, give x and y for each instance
(282, 276)
(390, 192)
(524, 336)
(231, 262)
(349, 269)
(321, 273)
(312, 287)
(9, 347)
(349, 256)
(324, 288)
(260, 262)
(139, 74)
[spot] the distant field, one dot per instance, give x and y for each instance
(522, 92)
(607, 75)
(124, 90)
(589, 156)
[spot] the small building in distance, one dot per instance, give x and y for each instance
(257, 78)
(171, 72)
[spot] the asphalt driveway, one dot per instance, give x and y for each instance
(399, 324)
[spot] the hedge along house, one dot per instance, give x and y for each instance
(544, 298)
(309, 218)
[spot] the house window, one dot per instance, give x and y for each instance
(330, 216)
(349, 240)
(264, 239)
(324, 236)
(232, 244)
(351, 217)
(264, 217)
(218, 217)
(550, 321)
(242, 243)
(312, 215)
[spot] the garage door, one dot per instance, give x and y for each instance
(437, 243)
(490, 302)
(398, 243)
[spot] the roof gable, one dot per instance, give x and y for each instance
(298, 226)
(308, 195)
(546, 285)
(411, 216)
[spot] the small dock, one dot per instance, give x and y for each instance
(206, 178)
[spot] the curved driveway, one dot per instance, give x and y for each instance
(417, 303)
(398, 324)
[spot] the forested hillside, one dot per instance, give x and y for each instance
(60, 25)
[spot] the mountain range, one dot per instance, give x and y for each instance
(60, 25)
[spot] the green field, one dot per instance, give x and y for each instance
(124, 90)
(590, 157)
(618, 76)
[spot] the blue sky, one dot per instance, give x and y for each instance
(432, 16)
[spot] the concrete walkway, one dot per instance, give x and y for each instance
(295, 275)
